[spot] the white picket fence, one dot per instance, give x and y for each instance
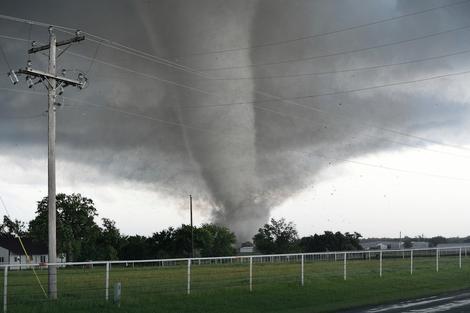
(240, 265)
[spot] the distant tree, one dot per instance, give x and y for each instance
(407, 242)
(135, 248)
(278, 236)
(219, 241)
(434, 241)
(13, 227)
(109, 240)
(162, 244)
(330, 241)
(209, 240)
(77, 232)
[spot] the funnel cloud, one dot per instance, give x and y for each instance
(242, 160)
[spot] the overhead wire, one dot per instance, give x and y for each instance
(335, 54)
(133, 114)
(5, 57)
(341, 71)
(23, 247)
(179, 124)
(303, 38)
(290, 100)
(258, 92)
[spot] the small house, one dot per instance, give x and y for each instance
(12, 252)
(247, 248)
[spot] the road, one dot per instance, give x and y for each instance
(450, 303)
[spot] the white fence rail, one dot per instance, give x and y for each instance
(93, 280)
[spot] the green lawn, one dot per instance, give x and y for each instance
(225, 287)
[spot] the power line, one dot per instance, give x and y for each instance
(309, 153)
(23, 117)
(302, 38)
(23, 247)
(93, 59)
(295, 60)
(335, 93)
(5, 58)
(357, 69)
(173, 123)
(179, 124)
(190, 70)
(297, 98)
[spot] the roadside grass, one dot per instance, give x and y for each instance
(225, 287)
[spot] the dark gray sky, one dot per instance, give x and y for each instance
(243, 161)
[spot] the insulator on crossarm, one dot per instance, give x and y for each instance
(13, 78)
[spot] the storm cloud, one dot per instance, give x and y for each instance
(178, 132)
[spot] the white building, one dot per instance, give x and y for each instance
(419, 244)
(12, 253)
(247, 248)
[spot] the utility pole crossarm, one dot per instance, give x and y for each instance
(58, 44)
(60, 79)
(55, 86)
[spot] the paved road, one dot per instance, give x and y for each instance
(451, 303)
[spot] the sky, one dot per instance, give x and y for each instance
(332, 114)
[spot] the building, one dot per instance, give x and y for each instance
(12, 253)
(382, 245)
(453, 245)
(247, 248)
(419, 244)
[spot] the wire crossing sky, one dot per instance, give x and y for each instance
(327, 101)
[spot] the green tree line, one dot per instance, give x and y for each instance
(81, 238)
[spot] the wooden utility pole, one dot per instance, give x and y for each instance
(51, 190)
(192, 229)
(52, 83)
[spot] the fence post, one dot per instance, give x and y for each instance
(437, 259)
(5, 286)
(107, 282)
(302, 271)
(251, 273)
(460, 258)
(189, 276)
(411, 265)
(345, 257)
(380, 271)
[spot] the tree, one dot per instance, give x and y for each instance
(77, 232)
(109, 240)
(434, 241)
(407, 243)
(276, 237)
(220, 241)
(135, 248)
(330, 241)
(12, 227)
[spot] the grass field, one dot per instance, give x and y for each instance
(225, 287)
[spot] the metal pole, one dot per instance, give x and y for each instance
(107, 281)
(192, 229)
(189, 276)
(437, 260)
(345, 257)
(411, 266)
(380, 270)
(5, 287)
(52, 273)
(460, 258)
(251, 273)
(302, 270)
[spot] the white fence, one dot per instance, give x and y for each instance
(95, 281)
